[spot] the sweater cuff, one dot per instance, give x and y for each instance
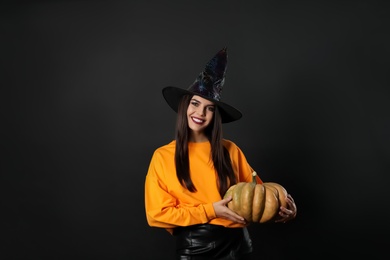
(210, 213)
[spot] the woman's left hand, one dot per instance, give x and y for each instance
(289, 213)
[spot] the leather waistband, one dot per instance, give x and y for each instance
(206, 241)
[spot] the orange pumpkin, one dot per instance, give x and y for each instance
(258, 203)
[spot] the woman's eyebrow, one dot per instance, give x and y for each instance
(194, 99)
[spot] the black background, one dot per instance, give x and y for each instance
(82, 112)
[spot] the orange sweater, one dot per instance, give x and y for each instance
(168, 204)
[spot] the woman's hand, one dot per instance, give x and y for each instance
(222, 211)
(289, 213)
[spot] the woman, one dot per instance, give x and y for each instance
(188, 177)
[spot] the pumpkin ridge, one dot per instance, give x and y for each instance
(282, 193)
(271, 205)
(246, 200)
(258, 203)
(236, 197)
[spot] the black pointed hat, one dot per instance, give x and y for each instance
(209, 85)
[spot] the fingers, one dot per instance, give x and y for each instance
(226, 200)
(222, 211)
(223, 202)
(233, 216)
(285, 215)
(292, 205)
(288, 213)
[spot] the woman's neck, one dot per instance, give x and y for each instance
(198, 137)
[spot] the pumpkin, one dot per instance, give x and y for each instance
(257, 203)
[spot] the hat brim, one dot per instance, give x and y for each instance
(172, 96)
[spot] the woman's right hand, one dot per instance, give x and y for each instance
(222, 211)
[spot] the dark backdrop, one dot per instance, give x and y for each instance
(82, 112)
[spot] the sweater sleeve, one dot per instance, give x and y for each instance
(162, 206)
(241, 166)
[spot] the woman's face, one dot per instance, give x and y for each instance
(200, 112)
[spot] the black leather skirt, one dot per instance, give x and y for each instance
(205, 241)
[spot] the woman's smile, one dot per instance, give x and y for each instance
(197, 120)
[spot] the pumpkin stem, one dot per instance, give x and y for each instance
(254, 177)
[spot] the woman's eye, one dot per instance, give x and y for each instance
(211, 109)
(194, 103)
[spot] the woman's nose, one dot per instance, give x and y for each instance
(201, 111)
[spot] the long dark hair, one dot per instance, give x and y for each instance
(219, 153)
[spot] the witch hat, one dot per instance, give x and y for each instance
(209, 85)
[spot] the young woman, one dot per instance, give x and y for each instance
(188, 177)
